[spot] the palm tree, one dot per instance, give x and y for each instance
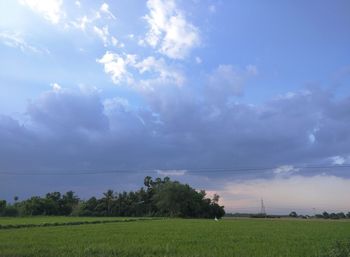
(108, 198)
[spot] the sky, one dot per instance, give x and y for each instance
(247, 99)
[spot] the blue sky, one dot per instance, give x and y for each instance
(172, 86)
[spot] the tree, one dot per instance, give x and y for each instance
(68, 202)
(173, 199)
(325, 215)
(89, 207)
(2, 206)
(341, 215)
(108, 198)
(293, 214)
(180, 200)
(216, 198)
(53, 204)
(333, 216)
(148, 181)
(159, 197)
(34, 206)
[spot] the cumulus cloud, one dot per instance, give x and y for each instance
(60, 110)
(165, 74)
(169, 30)
(116, 66)
(124, 68)
(51, 10)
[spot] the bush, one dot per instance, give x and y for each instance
(10, 211)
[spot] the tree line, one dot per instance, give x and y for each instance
(159, 197)
(324, 215)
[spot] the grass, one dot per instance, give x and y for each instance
(177, 237)
(49, 219)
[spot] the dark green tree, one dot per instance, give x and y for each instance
(108, 200)
(293, 214)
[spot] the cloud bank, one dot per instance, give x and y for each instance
(175, 129)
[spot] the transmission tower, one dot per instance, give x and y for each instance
(263, 210)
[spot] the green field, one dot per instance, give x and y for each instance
(50, 219)
(174, 237)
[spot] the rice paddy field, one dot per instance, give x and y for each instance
(175, 237)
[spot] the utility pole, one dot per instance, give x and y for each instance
(263, 210)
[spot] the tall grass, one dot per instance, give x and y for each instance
(179, 238)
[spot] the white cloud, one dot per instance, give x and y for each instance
(123, 68)
(164, 73)
(103, 34)
(116, 66)
(198, 60)
(82, 23)
(171, 172)
(56, 87)
(16, 40)
(282, 195)
(105, 9)
(114, 41)
(51, 10)
(285, 170)
(338, 160)
(169, 31)
(88, 24)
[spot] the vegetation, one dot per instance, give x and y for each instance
(158, 198)
(293, 214)
(179, 238)
(67, 223)
(324, 215)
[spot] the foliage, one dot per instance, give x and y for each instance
(158, 198)
(161, 197)
(293, 214)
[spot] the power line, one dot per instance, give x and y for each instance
(233, 171)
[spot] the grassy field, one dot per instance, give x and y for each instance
(174, 237)
(50, 219)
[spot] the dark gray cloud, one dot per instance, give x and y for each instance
(175, 129)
